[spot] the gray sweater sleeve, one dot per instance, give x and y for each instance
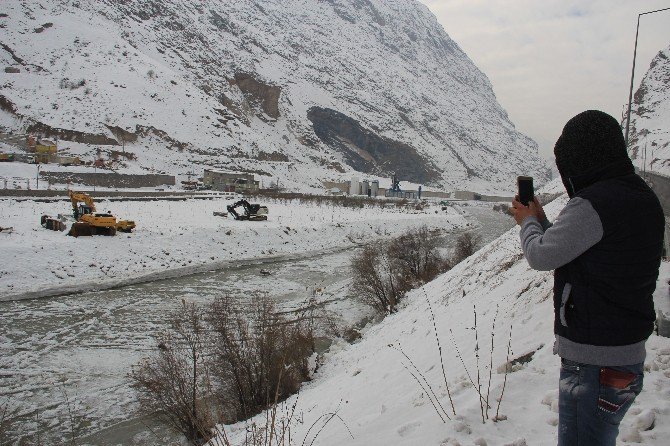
(546, 224)
(576, 229)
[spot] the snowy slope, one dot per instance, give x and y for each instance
(370, 387)
(301, 90)
(650, 117)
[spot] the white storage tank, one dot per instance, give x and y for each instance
(354, 186)
(374, 188)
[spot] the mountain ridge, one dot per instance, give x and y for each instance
(650, 114)
(228, 81)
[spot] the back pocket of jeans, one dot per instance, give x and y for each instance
(618, 389)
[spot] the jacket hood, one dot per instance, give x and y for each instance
(591, 148)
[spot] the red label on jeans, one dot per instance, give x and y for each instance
(615, 378)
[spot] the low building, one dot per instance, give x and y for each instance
(66, 160)
(466, 195)
(229, 181)
(45, 151)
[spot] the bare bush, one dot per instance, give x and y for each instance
(466, 245)
(383, 272)
(173, 383)
(260, 357)
(378, 280)
(417, 251)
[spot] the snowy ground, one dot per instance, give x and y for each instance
(175, 238)
(370, 385)
(73, 352)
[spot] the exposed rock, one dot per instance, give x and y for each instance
(43, 27)
(274, 156)
(650, 112)
(259, 93)
(122, 134)
(7, 105)
(146, 131)
(12, 70)
(70, 135)
(368, 152)
(515, 363)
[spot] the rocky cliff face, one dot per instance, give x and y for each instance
(649, 139)
(327, 86)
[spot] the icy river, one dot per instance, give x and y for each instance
(64, 360)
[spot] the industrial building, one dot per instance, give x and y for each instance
(230, 181)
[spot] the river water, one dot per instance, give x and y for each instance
(65, 360)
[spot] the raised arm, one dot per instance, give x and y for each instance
(575, 230)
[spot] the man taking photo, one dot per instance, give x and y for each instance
(605, 249)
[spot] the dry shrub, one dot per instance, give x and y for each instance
(378, 281)
(466, 245)
(417, 252)
(259, 357)
(384, 271)
(173, 383)
(224, 362)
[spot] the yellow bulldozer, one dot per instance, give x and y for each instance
(89, 222)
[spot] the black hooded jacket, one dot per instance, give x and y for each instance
(609, 287)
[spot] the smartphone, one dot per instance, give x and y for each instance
(525, 186)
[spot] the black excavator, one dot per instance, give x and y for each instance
(252, 212)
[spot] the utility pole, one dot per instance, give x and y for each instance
(632, 75)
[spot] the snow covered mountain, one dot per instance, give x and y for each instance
(300, 90)
(650, 117)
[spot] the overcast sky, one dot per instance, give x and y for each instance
(551, 59)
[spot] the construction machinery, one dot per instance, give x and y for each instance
(89, 222)
(6, 157)
(252, 212)
(52, 224)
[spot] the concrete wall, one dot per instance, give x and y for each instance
(108, 179)
(431, 194)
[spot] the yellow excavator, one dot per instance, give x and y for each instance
(90, 222)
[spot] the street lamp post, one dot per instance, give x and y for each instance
(632, 75)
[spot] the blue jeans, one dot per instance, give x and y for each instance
(592, 401)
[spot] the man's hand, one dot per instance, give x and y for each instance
(520, 212)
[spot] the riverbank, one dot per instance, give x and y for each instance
(173, 239)
(84, 344)
(484, 330)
